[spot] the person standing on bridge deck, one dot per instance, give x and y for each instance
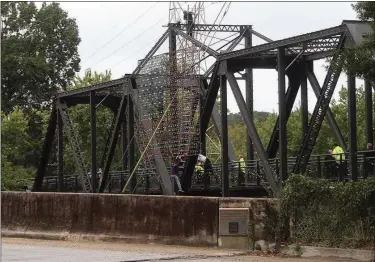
(175, 166)
(339, 155)
(330, 165)
(208, 170)
(241, 171)
(369, 160)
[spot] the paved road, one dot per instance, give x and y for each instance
(63, 251)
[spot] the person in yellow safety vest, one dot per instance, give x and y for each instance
(198, 168)
(241, 171)
(242, 164)
(338, 153)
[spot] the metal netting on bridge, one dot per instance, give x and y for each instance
(169, 107)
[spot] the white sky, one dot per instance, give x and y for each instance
(99, 22)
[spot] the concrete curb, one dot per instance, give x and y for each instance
(305, 251)
(67, 236)
(311, 251)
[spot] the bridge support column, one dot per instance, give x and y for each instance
(282, 114)
(202, 132)
(369, 113)
(93, 141)
(224, 137)
(249, 95)
(124, 149)
(304, 104)
(352, 127)
(60, 154)
(131, 142)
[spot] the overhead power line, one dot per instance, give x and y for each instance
(130, 41)
(128, 26)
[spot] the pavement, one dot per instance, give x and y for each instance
(34, 250)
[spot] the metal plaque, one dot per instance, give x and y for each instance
(233, 221)
(233, 227)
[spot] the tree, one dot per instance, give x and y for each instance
(360, 59)
(90, 78)
(20, 147)
(39, 53)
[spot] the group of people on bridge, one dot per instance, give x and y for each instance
(203, 165)
(336, 164)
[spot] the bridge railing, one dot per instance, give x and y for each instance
(247, 176)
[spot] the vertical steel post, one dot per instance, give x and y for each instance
(369, 114)
(282, 114)
(173, 88)
(60, 149)
(93, 140)
(224, 137)
(124, 149)
(304, 104)
(131, 139)
(352, 127)
(249, 94)
(202, 132)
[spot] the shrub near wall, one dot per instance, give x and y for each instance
(171, 220)
(334, 214)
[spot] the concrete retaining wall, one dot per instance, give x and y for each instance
(170, 220)
(133, 218)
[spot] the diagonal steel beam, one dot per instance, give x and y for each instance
(213, 90)
(197, 43)
(230, 48)
(291, 94)
(271, 176)
(161, 168)
(113, 142)
(320, 109)
(329, 116)
(47, 145)
(216, 120)
(150, 53)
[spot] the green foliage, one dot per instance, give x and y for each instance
(336, 214)
(360, 60)
(90, 78)
(39, 53)
(20, 148)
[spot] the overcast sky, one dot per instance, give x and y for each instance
(100, 22)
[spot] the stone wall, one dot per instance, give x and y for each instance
(177, 220)
(133, 218)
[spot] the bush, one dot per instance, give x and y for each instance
(335, 214)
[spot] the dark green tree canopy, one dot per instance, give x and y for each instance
(39, 51)
(360, 60)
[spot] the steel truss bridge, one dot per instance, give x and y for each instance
(162, 110)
